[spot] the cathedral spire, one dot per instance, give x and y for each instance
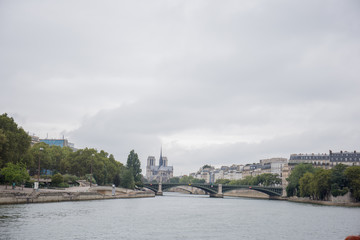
(161, 161)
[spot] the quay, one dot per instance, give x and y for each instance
(29, 195)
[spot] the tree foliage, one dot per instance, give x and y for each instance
(174, 180)
(133, 164)
(353, 176)
(127, 179)
(266, 179)
(222, 181)
(298, 172)
(57, 179)
(15, 173)
(190, 179)
(319, 183)
(116, 180)
(15, 148)
(14, 141)
(339, 182)
(80, 163)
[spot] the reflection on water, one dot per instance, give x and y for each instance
(177, 216)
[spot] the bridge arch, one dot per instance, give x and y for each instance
(210, 189)
(216, 189)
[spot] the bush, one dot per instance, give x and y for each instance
(68, 178)
(339, 192)
(63, 185)
(57, 179)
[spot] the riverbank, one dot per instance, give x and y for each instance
(325, 203)
(344, 201)
(28, 195)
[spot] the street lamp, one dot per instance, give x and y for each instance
(91, 175)
(38, 183)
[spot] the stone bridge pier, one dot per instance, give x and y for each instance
(219, 193)
(159, 192)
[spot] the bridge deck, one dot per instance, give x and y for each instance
(213, 188)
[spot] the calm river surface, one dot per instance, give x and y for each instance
(177, 216)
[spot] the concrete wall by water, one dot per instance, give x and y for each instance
(246, 193)
(41, 197)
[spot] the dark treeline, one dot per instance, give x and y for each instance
(318, 184)
(265, 179)
(185, 180)
(16, 154)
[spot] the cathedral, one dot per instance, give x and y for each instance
(160, 173)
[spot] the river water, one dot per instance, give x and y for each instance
(178, 216)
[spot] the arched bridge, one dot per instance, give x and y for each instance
(215, 190)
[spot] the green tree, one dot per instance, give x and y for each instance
(322, 184)
(3, 141)
(196, 180)
(206, 166)
(133, 164)
(40, 151)
(306, 185)
(293, 187)
(174, 180)
(266, 179)
(116, 180)
(353, 177)
(248, 180)
(15, 173)
(338, 180)
(185, 179)
(127, 179)
(14, 141)
(222, 181)
(190, 179)
(68, 178)
(57, 179)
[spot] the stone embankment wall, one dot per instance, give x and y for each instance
(246, 193)
(17, 197)
(187, 190)
(345, 200)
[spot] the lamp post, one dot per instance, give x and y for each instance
(91, 174)
(38, 183)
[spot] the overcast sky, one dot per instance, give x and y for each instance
(213, 82)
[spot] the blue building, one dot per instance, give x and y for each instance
(56, 142)
(59, 142)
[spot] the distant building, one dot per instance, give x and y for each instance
(59, 142)
(318, 160)
(34, 140)
(273, 165)
(211, 174)
(344, 157)
(160, 173)
(325, 160)
(56, 142)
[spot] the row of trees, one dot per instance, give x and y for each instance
(265, 179)
(318, 184)
(16, 157)
(186, 180)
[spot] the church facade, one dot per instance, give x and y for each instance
(161, 172)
